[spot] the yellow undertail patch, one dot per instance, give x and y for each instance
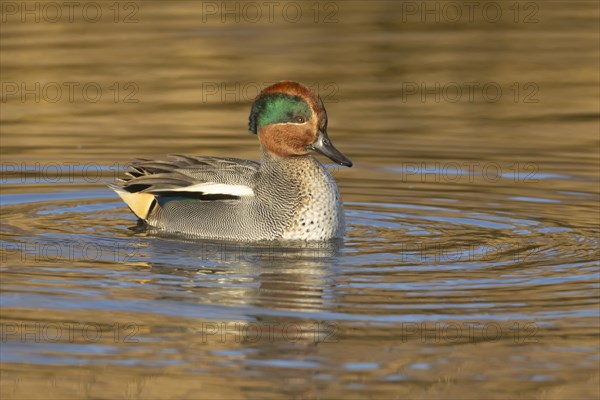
(139, 203)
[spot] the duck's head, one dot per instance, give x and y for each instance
(290, 120)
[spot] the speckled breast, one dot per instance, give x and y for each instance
(321, 214)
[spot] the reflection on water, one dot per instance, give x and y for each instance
(470, 268)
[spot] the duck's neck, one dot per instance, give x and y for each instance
(273, 162)
(294, 173)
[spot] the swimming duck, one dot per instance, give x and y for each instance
(288, 195)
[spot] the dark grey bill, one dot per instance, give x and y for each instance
(324, 146)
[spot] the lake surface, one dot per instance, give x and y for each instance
(470, 267)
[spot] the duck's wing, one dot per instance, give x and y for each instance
(197, 177)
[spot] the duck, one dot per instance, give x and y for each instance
(287, 195)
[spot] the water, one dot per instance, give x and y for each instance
(470, 267)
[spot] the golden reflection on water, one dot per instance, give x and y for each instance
(465, 135)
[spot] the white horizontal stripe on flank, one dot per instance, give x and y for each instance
(217, 188)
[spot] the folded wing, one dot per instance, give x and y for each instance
(201, 178)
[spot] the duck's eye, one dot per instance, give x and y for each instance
(300, 119)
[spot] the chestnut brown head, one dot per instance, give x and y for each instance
(290, 120)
